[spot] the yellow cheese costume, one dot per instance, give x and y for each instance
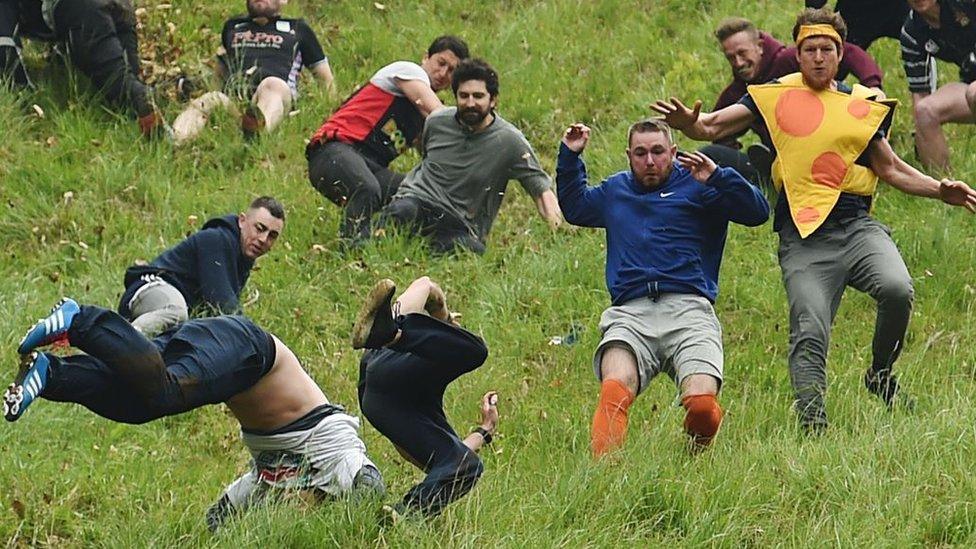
(818, 135)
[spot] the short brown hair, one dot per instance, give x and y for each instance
(650, 125)
(821, 16)
(735, 25)
(269, 203)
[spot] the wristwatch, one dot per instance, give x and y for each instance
(484, 434)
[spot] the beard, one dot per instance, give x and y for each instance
(472, 117)
(263, 10)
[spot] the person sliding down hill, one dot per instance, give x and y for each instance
(415, 350)
(831, 149)
(297, 438)
(666, 223)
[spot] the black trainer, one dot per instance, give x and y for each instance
(884, 385)
(375, 325)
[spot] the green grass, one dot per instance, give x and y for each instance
(879, 479)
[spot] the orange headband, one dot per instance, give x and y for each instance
(808, 31)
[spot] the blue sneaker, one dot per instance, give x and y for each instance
(52, 328)
(28, 384)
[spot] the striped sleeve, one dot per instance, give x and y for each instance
(919, 65)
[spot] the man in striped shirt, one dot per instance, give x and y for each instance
(946, 30)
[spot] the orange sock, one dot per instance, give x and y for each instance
(703, 418)
(610, 418)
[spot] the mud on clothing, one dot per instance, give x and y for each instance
(465, 174)
(362, 119)
(208, 268)
(280, 48)
(99, 36)
(401, 393)
(128, 378)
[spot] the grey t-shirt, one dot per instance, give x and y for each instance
(466, 174)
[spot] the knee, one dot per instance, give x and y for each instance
(927, 113)
(897, 292)
(274, 86)
(971, 97)
(703, 418)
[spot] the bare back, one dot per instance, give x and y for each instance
(283, 395)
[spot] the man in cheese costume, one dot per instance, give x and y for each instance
(831, 149)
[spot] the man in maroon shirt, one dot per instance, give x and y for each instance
(756, 58)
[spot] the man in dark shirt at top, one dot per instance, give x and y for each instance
(260, 59)
(869, 20)
(204, 273)
(946, 30)
(756, 58)
(348, 156)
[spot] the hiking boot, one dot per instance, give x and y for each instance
(252, 122)
(884, 385)
(30, 381)
(52, 328)
(375, 325)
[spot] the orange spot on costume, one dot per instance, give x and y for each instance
(818, 135)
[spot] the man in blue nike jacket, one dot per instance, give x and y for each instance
(666, 223)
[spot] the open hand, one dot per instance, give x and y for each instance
(676, 113)
(489, 411)
(700, 166)
(958, 193)
(576, 137)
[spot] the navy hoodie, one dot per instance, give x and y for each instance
(668, 239)
(208, 268)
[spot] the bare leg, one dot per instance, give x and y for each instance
(273, 99)
(699, 384)
(947, 104)
(191, 121)
(422, 296)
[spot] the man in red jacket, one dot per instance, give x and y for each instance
(756, 58)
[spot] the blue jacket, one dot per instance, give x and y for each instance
(208, 268)
(666, 240)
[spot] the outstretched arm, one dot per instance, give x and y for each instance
(489, 420)
(904, 177)
(704, 127)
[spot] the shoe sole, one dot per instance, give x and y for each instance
(13, 397)
(381, 293)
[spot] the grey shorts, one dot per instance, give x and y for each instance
(678, 334)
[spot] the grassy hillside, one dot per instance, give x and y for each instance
(83, 197)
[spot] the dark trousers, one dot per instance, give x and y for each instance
(101, 41)
(727, 157)
(11, 64)
(401, 392)
(347, 178)
(124, 376)
(443, 231)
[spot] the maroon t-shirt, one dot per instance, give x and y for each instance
(778, 61)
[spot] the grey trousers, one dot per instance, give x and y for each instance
(157, 307)
(856, 252)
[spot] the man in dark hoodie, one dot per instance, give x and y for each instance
(205, 273)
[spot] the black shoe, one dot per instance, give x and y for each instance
(884, 385)
(375, 325)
